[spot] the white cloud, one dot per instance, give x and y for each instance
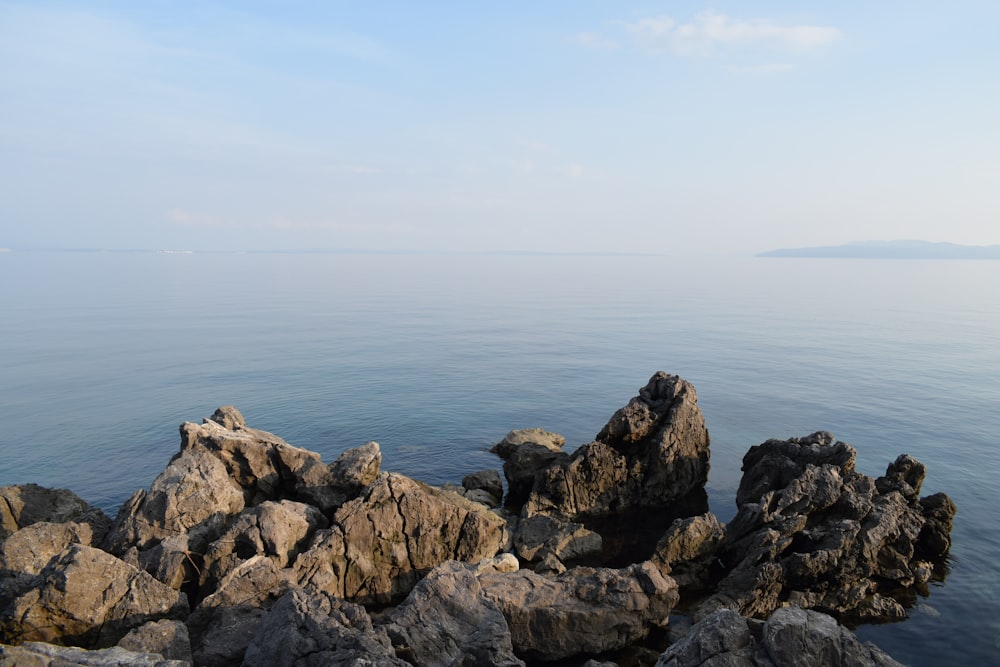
(708, 31)
(595, 41)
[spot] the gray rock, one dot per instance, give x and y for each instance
(485, 480)
(652, 453)
(447, 621)
(308, 628)
(224, 623)
(815, 533)
(382, 542)
(39, 654)
(167, 638)
(89, 598)
(30, 549)
(539, 537)
(687, 550)
(791, 637)
(25, 504)
(583, 611)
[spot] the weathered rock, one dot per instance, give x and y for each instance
(264, 466)
(278, 530)
(814, 532)
(446, 620)
(308, 628)
(539, 537)
(583, 611)
(687, 550)
(355, 469)
(194, 494)
(523, 465)
(653, 452)
(167, 638)
(89, 598)
(39, 654)
(31, 548)
(224, 623)
(25, 504)
(382, 542)
(791, 637)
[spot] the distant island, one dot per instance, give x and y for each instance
(892, 250)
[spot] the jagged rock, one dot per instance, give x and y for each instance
(486, 481)
(315, 629)
(539, 537)
(382, 542)
(447, 621)
(22, 505)
(523, 465)
(582, 611)
(812, 531)
(39, 654)
(278, 530)
(791, 637)
(194, 494)
(652, 452)
(687, 550)
(31, 548)
(224, 623)
(264, 466)
(89, 598)
(167, 638)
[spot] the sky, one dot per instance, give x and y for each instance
(668, 127)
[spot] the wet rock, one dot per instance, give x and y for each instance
(446, 620)
(652, 452)
(89, 598)
(22, 505)
(382, 542)
(487, 481)
(167, 638)
(313, 629)
(39, 654)
(814, 532)
(582, 611)
(790, 637)
(539, 537)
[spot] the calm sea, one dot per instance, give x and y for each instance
(436, 357)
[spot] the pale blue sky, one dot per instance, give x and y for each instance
(673, 127)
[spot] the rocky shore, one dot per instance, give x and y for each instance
(249, 551)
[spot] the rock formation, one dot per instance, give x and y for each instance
(248, 550)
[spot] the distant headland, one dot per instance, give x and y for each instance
(892, 250)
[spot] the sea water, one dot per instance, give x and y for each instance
(436, 357)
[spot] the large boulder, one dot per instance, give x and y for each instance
(687, 550)
(816, 533)
(31, 548)
(309, 628)
(165, 637)
(384, 541)
(88, 598)
(525, 453)
(652, 453)
(582, 611)
(22, 505)
(447, 621)
(791, 637)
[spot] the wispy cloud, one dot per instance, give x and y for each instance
(595, 41)
(709, 31)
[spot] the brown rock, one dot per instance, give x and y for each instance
(25, 504)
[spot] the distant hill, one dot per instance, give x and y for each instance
(892, 250)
